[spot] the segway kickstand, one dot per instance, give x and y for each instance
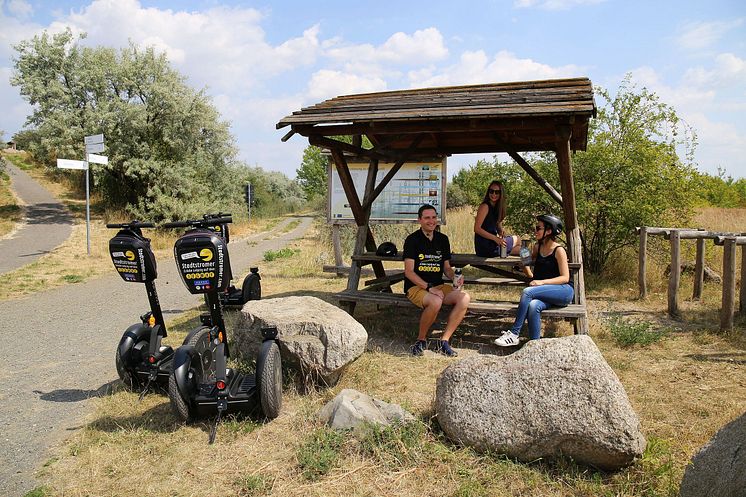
(145, 389)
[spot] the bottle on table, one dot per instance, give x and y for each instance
(458, 278)
(525, 253)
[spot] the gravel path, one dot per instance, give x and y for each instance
(58, 351)
(46, 223)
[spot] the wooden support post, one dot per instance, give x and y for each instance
(642, 265)
(729, 284)
(564, 162)
(742, 293)
(337, 242)
(674, 277)
(699, 269)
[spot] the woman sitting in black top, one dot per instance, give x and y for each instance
(489, 236)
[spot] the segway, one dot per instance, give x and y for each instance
(251, 289)
(141, 359)
(201, 384)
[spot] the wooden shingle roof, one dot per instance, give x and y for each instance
(520, 116)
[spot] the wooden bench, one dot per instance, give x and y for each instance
(378, 290)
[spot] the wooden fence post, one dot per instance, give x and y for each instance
(699, 270)
(674, 275)
(643, 263)
(337, 242)
(742, 297)
(729, 284)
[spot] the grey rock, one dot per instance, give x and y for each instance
(719, 468)
(551, 397)
(350, 409)
(710, 275)
(316, 338)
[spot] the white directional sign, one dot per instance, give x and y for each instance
(89, 140)
(72, 164)
(94, 148)
(98, 159)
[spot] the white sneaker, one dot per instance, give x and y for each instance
(509, 339)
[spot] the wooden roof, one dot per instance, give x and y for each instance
(503, 117)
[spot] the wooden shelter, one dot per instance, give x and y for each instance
(408, 125)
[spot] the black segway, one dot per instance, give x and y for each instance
(201, 384)
(251, 289)
(141, 359)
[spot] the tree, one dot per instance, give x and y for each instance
(312, 173)
(630, 175)
(170, 155)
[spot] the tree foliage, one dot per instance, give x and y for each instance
(312, 173)
(170, 155)
(631, 175)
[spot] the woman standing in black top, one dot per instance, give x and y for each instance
(489, 236)
(550, 284)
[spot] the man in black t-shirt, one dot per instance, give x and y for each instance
(427, 255)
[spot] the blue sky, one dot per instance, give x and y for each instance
(260, 61)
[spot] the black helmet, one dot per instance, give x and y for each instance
(553, 221)
(387, 249)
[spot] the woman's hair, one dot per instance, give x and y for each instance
(546, 237)
(499, 208)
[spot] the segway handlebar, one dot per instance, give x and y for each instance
(217, 215)
(199, 223)
(131, 225)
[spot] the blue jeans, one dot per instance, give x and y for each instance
(535, 299)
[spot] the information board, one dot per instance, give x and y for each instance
(416, 183)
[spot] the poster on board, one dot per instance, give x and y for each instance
(416, 183)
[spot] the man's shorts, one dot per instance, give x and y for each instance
(416, 295)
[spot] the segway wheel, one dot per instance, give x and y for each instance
(200, 340)
(130, 380)
(269, 373)
(178, 403)
(252, 288)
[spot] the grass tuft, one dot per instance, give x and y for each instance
(320, 452)
(253, 485)
(626, 333)
(395, 446)
(271, 255)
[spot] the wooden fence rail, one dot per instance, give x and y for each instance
(729, 241)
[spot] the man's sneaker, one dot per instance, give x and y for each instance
(445, 349)
(418, 348)
(509, 339)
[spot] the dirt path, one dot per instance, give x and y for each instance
(58, 351)
(46, 223)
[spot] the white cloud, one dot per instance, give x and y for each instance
(20, 8)
(327, 83)
(400, 49)
(224, 47)
(476, 67)
(553, 4)
(728, 69)
(700, 35)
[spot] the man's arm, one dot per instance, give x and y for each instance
(412, 276)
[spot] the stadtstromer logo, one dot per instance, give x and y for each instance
(204, 254)
(129, 255)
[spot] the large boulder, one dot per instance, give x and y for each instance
(551, 397)
(316, 338)
(719, 468)
(350, 409)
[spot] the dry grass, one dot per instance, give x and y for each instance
(684, 387)
(11, 212)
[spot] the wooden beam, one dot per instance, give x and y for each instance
(529, 170)
(699, 270)
(674, 276)
(386, 179)
(728, 307)
(564, 163)
(330, 144)
(742, 292)
(642, 264)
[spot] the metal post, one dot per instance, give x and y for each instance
(87, 208)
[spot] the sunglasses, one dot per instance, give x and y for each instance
(496, 192)
(538, 228)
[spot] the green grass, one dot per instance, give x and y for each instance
(42, 491)
(627, 333)
(395, 446)
(253, 485)
(21, 161)
(271, 255)
(320, 452)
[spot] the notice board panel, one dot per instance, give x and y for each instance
(416, 183)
